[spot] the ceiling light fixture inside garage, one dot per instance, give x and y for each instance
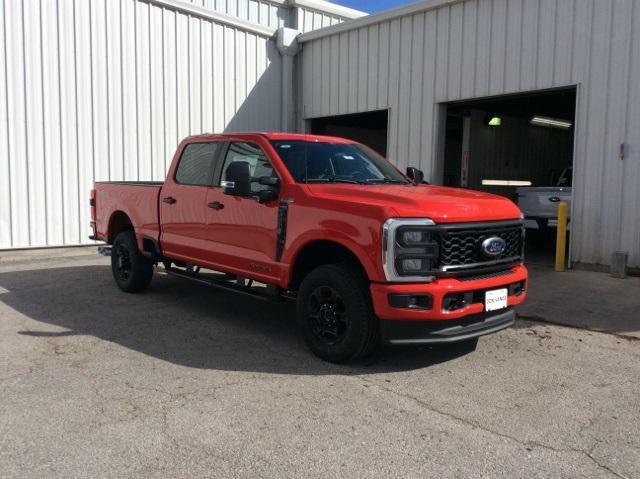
(551, 122)
(506, 183)
(495, 121)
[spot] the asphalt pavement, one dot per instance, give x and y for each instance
(187, 381)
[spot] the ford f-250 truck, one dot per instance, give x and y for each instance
(369, 254)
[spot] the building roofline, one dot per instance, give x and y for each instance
(328, 7)
(207, 14)
(422, 6)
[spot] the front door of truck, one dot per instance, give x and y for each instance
(244, 230)
(183, 202)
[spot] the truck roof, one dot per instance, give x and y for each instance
(270, 135)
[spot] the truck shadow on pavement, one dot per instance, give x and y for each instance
(185, 323)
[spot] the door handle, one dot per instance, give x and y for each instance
(216, 205)
(169, 200)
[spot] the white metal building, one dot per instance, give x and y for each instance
(414, 60)
(104, 90)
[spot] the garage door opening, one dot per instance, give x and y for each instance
(368, 128)
(503, 144)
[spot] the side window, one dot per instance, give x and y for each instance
(197, 164)
(251, 153)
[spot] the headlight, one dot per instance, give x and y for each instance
(409, 251)
(409, 237)
(411, 265)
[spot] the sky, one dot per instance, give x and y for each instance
(372, 6)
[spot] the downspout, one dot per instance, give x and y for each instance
(287, 44)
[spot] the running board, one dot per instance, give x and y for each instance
(274, 295)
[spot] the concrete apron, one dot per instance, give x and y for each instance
(584, 299)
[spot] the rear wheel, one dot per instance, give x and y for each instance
(131, 271)
(335, 315)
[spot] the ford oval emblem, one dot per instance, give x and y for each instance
(493, 246)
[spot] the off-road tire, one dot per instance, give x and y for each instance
(132, 272)
(360, 328)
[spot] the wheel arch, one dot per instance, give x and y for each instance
(320, 252)
(118, 222)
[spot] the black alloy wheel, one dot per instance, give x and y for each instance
(123, 262)
(328, 315)
(131, 270)
(335, 313)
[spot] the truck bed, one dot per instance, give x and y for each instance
(137, 199)
(132, 183)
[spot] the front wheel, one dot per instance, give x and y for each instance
(335, 315)
(131, 271)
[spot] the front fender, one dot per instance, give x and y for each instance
(364, 249)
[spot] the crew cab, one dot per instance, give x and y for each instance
(368, 253)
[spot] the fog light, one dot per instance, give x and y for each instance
(411, 301)
(455, 301)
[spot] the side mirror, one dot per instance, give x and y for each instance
(416, 175)
(269, 181)
(237, 180)
(265, 196)
(270, 193)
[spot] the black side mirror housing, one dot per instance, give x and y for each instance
(416, 175)
(269, 181)
(265, 196)
(270, 193)
(237, 180)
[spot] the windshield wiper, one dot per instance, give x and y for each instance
(386, 181)
(334, 180)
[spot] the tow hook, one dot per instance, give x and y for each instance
(104, 250)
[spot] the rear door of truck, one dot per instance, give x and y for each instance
(183, 201)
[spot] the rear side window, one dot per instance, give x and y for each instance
(197, 164)
(252, 154)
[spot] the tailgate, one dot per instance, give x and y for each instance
(542, 202)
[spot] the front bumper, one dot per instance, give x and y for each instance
(438, 317)
(445, 331)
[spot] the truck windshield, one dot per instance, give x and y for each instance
(324, 162)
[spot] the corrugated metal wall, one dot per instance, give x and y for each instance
(105, 90)
(273, 14)
(308, 20)
(269, 14)
(479, 48)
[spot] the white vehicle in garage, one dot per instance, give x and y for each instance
(539, 204)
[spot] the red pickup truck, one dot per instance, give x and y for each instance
(369, 254)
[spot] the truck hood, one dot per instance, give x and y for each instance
(441, 204)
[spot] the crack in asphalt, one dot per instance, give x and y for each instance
(467, 422)
(543, 320)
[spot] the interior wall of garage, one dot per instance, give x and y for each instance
(105, 90)
(416, 58)
(517, 151)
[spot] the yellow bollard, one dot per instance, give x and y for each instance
(561, 238)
